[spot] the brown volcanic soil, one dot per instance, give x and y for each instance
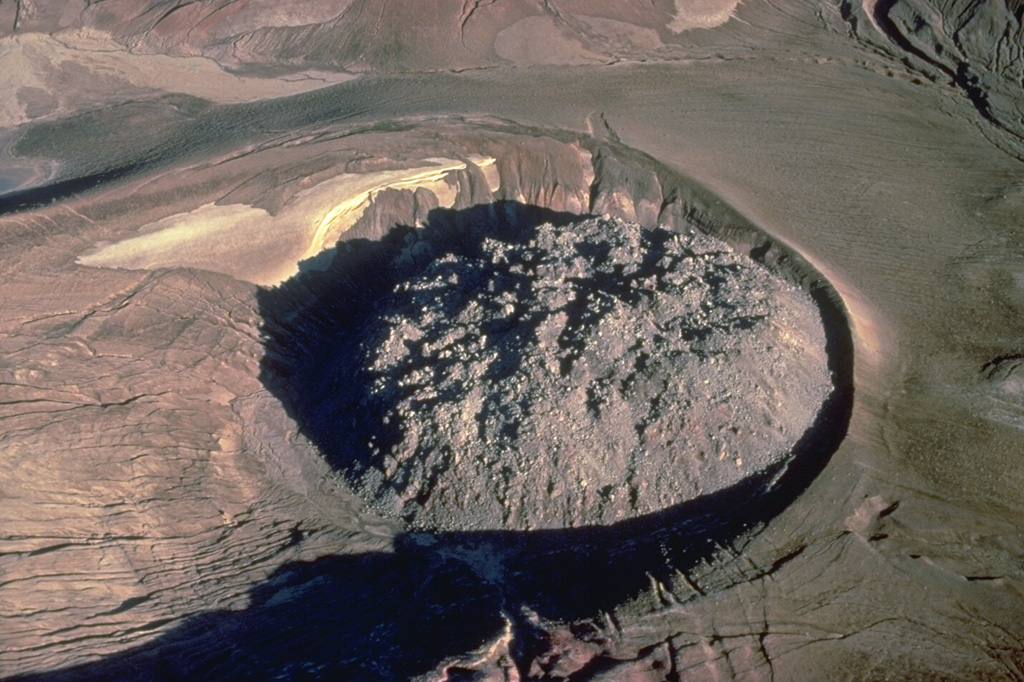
(583, 374)
(164, 515)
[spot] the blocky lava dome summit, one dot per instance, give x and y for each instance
(585, 374)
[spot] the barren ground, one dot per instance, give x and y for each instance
(168, 510)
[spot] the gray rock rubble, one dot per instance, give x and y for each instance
(590, 374)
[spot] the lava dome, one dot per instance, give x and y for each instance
(575, 375)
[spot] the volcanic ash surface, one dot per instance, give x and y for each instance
(585, 375)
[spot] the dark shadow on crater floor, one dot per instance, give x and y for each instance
(391, 616)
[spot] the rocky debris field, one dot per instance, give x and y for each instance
(569, 376)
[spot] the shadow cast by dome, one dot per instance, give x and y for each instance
(392, 616)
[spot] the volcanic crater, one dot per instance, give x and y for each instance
(521, 369)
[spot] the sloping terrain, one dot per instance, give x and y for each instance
(174, 180)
